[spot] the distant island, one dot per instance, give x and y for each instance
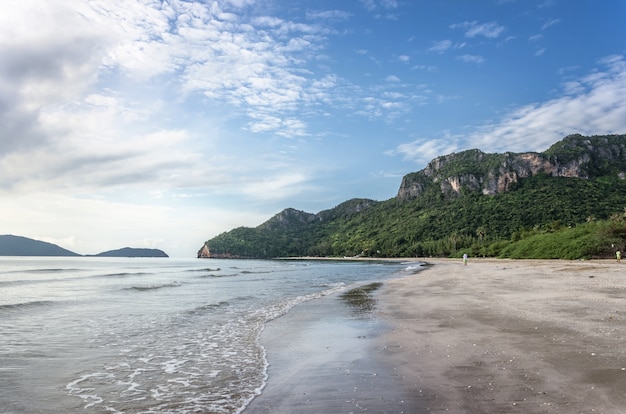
(133, 252)
(11, 245)
(21, 246)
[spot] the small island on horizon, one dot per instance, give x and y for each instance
(133, 252)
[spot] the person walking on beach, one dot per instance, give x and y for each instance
(464, 259)
(618, 255)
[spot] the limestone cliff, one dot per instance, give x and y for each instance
(204, 252)
(473, 170)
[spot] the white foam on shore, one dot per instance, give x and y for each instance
(176, 375)
(413, 267)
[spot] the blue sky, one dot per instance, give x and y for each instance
(152, 123)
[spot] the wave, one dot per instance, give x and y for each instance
(280, 308)
(122, 274)
(330, 285)
(414, 267)
(36, 271)
(51, 270)
(25, 305)
(154, 287)
(207, 269)
(21, 282)
(224, 275)
(207, 308)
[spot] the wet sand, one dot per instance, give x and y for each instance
(495, 336)
(320, 357)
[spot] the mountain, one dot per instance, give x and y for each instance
(21, 246)
(133, 252)
(289, 233)
(469, 200)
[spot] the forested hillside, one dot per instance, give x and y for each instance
(474, 202)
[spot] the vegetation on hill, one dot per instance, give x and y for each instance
(580, 215)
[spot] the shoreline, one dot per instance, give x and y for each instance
(497, 335)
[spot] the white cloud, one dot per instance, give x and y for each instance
(329, 15)
(546, 4)
(573, 88)
(240, 3)
(473, 29)
(440, 46)
(471, 58)
(388, 105)
(428, 68)
(99, 142)
(371, 5)
(42, 66)
(550, 22)
(424, 150)
(389, 4)
(275, 186)
(287, 127)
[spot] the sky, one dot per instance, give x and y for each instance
(162, 124)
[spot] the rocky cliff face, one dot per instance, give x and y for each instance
(575, 156)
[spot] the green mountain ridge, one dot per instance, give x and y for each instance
(469, 201)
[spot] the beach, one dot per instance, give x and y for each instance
(495, 336)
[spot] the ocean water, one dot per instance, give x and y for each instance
(106, 335)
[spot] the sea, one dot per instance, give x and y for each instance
(148, 335)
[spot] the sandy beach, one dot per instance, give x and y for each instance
(495, 336)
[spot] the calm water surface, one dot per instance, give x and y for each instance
(104, 335)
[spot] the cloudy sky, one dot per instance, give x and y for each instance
(152, 123)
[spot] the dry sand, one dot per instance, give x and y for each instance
(510, 336)
(495, 336)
